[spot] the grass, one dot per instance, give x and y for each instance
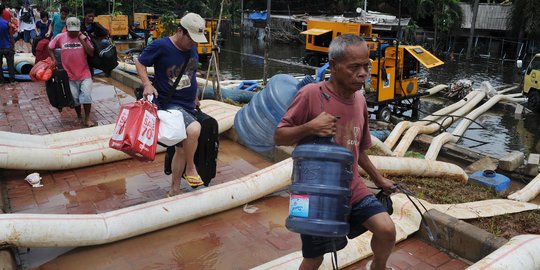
(447, 191)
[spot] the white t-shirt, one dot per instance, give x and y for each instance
(24, 25)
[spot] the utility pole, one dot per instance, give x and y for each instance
(365, 7)
(473, 28)
(242, 20)
(267, 41)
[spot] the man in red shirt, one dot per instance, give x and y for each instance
(75, 47)
(336, 108)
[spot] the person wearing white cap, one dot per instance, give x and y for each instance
(75, 47)
(173, 57)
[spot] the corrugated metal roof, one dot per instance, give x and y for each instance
(490, 16)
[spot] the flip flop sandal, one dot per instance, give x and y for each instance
(193, 181)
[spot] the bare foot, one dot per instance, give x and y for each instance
(173, 193)
(90, 123)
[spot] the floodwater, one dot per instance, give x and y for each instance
(501, 132)
(230, 240)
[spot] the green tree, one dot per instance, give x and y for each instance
(473, 27)
(524, 19)
(447, 16)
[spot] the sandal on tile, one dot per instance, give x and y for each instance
(193, 181)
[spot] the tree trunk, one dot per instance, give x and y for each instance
(473, 26)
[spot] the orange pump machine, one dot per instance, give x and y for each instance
(320, 33)
(394, 76)
(393, 83)
(117, 24)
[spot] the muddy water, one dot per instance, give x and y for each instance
(495, 132)
(231, 240)
(501, 133)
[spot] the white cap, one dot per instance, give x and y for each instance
(194, 24)
(73, 24)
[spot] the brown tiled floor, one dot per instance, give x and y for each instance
(233, 239)
(26, 109)
(115, 185)
(418, 255)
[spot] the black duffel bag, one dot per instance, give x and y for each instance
(105, 56)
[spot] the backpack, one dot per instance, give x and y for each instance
(99, 31)
(105, 56)
(26, 16)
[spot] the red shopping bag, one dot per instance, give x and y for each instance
(136, 129)
(42, 70)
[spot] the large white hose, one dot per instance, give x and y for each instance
(131, 68)
(527, 193)
(22, 58)
(521, 252)
(38, 230)
(460, 129)
(56, 140)
(409, 136)
(399, 166)
(376, 143)
(509, 89)
(400, 128)
(52, 230)
(437, 143)
(66, 151)
(396, 133)
(436, 89)
(485, 208)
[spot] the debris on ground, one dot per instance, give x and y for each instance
(34, 179)
(459, 89)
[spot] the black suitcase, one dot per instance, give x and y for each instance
(58, 90)
(207, 149)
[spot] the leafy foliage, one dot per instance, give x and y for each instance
(447, 14)
(168, 19)
(525, 18)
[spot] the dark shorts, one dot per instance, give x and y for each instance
(188, 117)
(315, 246)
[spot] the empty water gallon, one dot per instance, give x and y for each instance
(320, 190)
(256, 122)
(490, 179)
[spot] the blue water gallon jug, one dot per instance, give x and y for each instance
(257, 121)
(320, 189)
(490, 179)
